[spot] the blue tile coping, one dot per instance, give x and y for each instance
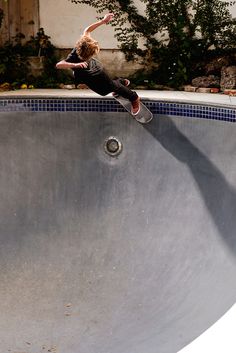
(182, 109)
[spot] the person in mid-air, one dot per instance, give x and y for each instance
(90, 71)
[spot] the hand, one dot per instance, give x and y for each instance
(82, 65)
(108, 17)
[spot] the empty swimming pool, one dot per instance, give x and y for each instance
(116, 237)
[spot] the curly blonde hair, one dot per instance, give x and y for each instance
(86, 47)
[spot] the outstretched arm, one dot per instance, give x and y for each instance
(64, 64)
(107, 18)
(67, 65)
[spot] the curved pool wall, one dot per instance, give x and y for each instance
(130, 253)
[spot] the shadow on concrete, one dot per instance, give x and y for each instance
(219, 196)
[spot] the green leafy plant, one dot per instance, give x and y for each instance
(13, 66)
(39, 45)
(15, 58)
(172, 36)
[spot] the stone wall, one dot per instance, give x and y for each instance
(223, 80)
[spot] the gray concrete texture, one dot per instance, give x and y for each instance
(101, 254)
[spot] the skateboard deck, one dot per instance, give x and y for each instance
(144, 116)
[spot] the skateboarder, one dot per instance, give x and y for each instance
(90, 71)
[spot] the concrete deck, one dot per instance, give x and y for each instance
(177, 96)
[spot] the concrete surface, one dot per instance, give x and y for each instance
(170, 96)
(219, 338)
(99, 254)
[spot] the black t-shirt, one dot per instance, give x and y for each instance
(84, 75)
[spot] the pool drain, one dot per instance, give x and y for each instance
(112, 146)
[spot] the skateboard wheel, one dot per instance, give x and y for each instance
(113, 146)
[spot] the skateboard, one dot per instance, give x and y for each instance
(144, 116)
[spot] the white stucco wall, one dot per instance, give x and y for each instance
(232, 8)
(64, 21)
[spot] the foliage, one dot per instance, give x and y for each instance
(172, 36)
(15, 62)
(13, 66)
(39, 45)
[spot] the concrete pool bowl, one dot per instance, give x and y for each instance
(115, 237)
